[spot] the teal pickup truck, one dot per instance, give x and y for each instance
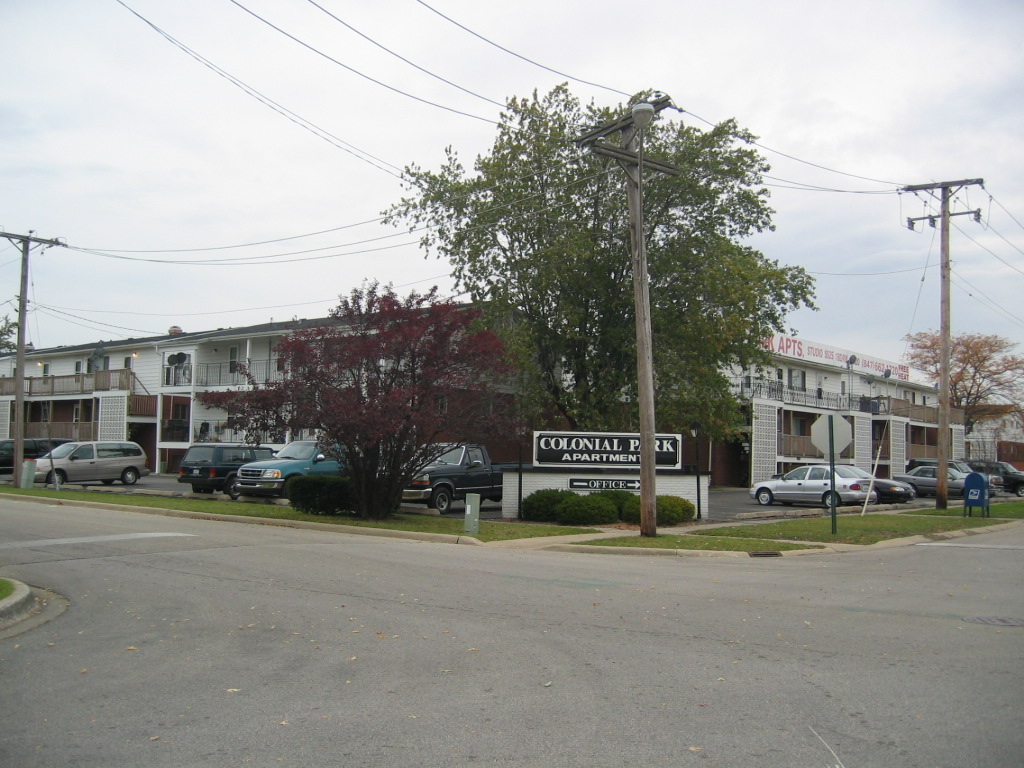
(271, 477)
(460, 470)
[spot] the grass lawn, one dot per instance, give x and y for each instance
(707, 543)
(489, 531)
(852, 529)
(1013, 510)
(6, 588)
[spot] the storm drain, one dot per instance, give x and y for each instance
(765, 554)
(995, 621)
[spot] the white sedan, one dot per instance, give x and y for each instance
(811, 485)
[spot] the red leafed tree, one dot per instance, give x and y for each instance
(385, 382)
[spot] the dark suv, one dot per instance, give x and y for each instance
(33, 447)
(1013, 478)
(210, 467)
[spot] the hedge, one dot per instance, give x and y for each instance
(587, 510)
(320, 494)
(670, 510)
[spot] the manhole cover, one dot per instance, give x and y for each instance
(995, 621)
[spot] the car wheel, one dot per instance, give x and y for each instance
(827, 497)
(231, 488)
(61, 477)
(130, 476)
(441, 500)
(764, 497)
(1019, 490)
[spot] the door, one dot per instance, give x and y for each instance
(817, 485)
(81, 464)
(790, 486)
(478, 475)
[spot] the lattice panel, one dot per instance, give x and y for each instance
(959, 447)
(897, 446)
(113, 418)
(5, 419)
(862, 456)
(764, 442)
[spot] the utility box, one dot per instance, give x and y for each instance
(28, 473)
(472, 513)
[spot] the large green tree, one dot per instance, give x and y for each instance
(538, 232)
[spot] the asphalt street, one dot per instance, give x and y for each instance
(200, 643)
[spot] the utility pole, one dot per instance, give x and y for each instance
(19, 362)
(631, 158)
(942, 449)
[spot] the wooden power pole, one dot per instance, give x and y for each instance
(942, 449)
(25, 241)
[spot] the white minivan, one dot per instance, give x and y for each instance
(105, 460)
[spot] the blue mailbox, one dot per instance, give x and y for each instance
(976, 494)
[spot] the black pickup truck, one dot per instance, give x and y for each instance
(460, 470)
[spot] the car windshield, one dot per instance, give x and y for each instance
(851, 472)
(300, 451)
(451, 456)
(61, 451)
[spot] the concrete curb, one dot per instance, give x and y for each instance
(17, 605)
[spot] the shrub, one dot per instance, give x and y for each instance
(618, 498)
(586, 510)
(540, 506)
(320, 495)
(671, 510)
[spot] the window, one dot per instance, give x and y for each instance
(78, 366)
(108, 451)
(797, 379)
(233, 359)
(817, 473)
(797, 474)
(127, 363)
(83, 452)
(46, 369)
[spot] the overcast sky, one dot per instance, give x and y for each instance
(118, 141)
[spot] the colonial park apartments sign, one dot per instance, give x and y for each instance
(602, 449)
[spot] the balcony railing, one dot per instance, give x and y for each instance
(69, 430)
(818, 398)
(75, 383)
(222, 374)
(800, 446)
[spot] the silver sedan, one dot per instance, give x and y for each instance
(811, 485)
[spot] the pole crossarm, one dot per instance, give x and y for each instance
(943, 184)
(932, 220)
(622, 124)
(632, 158)
(31, 239)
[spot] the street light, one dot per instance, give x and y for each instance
(694, 430)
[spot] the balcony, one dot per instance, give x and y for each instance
(74, 384)
(222, 374)
(800, 447)
(817, 398)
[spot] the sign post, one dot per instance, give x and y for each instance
(828, 436)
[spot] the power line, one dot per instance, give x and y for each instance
(519, 56)
(267, 101)
(354, 71)
(402, 58)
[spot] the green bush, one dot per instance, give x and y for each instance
(618, 498)
(541, 506)
(587, 510)
(671, 510)
(320, 495)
